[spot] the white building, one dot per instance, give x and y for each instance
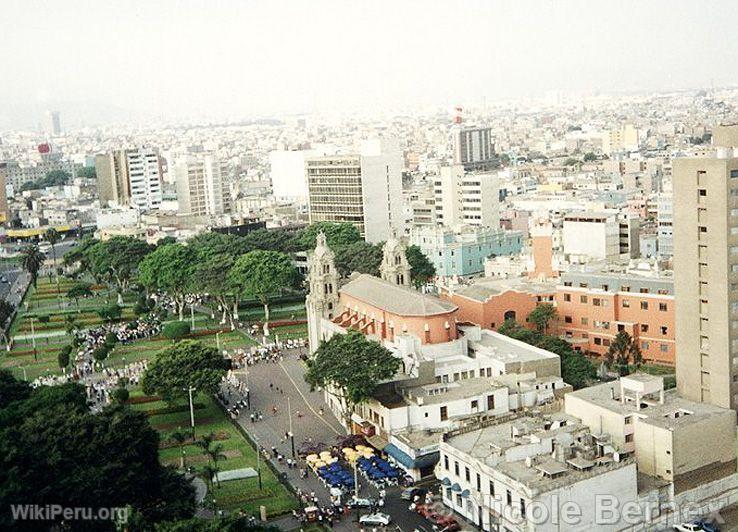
(130, 177)
(591, 235)
(287, 172)
(364, 189)
(202, 181)
(467, 198)
(473, 147)
(665, 224)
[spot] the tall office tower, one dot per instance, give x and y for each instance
(364, 189)
(53, 123)
(467, 198)
(705, 211)
(202, 184)
(4, 214)
(130, 177)
(287, 172)
(473, 148)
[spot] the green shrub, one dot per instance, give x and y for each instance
(101, 353)
(111, 339)
(176, 330)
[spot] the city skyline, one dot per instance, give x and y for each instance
(231, 60)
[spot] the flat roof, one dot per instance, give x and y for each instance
(483, 289)
(508, 349)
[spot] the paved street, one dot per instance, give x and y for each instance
(287, 381)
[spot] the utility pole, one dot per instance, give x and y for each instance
(192, 411)
(292, 436)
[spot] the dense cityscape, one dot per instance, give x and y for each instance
(503, 313)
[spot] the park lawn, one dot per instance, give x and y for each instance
(282, 311)
(232, 495)
(291, 332)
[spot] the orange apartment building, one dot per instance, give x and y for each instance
(592, 309)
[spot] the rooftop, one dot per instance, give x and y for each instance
(483, 289)
(395, 299)
(503, 347)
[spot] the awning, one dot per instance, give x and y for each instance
(446, 481)
(465, 493)
(456, 487)
(407, 461)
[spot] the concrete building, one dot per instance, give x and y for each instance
(4, 213)
(594, 307)
(202, 181)
(624, 138)
(665, 224)
(467, 198)
(53, 123)
(706, 277)
(130, 177)
(461, 251)
(287, 172)
(364, 189)
(473, 148)
(591, 235)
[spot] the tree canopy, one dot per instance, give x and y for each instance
(52, 179)
(32, 260)
(422, 270)
(336, 234)
(116, 260)
(541, 316)
(350, 367)
(53, 450)
(358, 256)
(623, 351)
(184, 364)
(169, 268)
(87, 172)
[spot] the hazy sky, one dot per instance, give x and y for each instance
(240, 57)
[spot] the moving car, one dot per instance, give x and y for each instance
(375, 519)
(707, 526)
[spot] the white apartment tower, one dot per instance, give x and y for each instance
(705, 212)
(202, 184)
(467, 198)
(364, 189)
(130, 178)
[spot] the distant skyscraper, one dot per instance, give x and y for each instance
(705, 212)
(202, 185)
(53, 126)
(364, 189)
(473, 148)
(130, 177)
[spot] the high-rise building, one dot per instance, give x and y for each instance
(287, 172)
(473, 148)
(202, 184)
(53, 123)
(467, 198)
(706, 277)
(130, 177)
(364, 189)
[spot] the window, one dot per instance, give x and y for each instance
(479, 482)
(598, 341)
(644, 327)
(509, 497)
(567, 297)
(664, 348)
(445, 462)
(490, 402)
(567, 319)
(596, 301)
(475, 404)
(444, 415)
(625, 288)
(606, 342)
(626, 303)
(491, 488)
(467, 474)
(702, 192)
(628, 420)
(628, 438)
(644, 305)
(663, 307)
(644, 346)
(456, 468)
(664, 330)
(585, 321)
(582, 299)
(522, 508)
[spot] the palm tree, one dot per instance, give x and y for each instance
(214, 452)
(210, 472)
(33, 259)
(541, 316)
(622, 350)
(180, 437)
(71, 323)
(52, 237)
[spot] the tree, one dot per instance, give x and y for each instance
(176, 330)
(170, 269)
(78, 291)
(622, 351)
(213, 275)
(88, 172)
(180, 438)
(11, 389)
(589, 156)
(209, 245)
(336, 234)
(349, 367)
(120, 395)
(70, 324)
(360, 256)
(51, 453)
(214, 452)
(185, 364)
(116, 261)
(541, 316)
(6, 310)
(64, 356)
(422, 270)
(110, 313)
(32, 260)
(101, 353)
(262, 275)
(576, 369)
(53, 236)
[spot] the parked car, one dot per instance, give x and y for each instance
(375, 519)
(359, 502)
(707, 526)
(688, 527)
(409, 494)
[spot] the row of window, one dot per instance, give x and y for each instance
(598, 302)
(623, 288)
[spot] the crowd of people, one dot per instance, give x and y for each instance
(98, 391)
(272, 352)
